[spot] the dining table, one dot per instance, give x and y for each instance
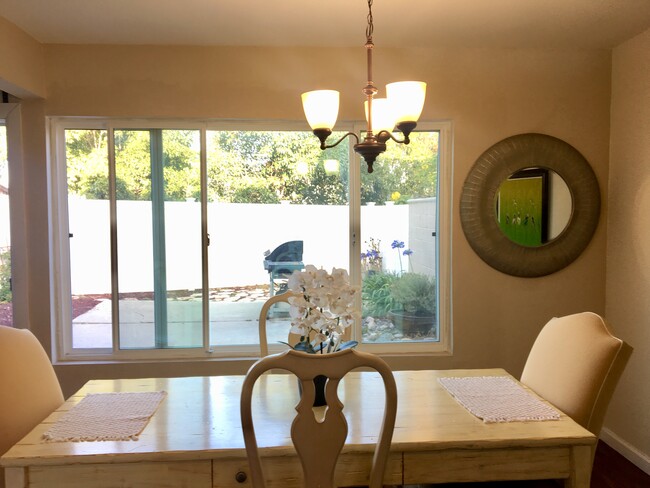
(193, 437)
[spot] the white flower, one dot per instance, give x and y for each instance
(324, 308)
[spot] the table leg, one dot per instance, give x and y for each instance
(14, 477)
(581, 466)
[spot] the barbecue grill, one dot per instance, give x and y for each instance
(284, 260)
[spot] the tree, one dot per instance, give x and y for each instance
(247, 167)
(410, 171)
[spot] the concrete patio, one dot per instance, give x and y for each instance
(231, 323)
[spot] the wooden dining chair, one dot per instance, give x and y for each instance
(264, 313)
(575, 363)
(29, 388)
(319, 440)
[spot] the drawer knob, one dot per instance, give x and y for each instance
(241, 477)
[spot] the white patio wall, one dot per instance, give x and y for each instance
(239, 235)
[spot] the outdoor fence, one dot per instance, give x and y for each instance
(239, 235)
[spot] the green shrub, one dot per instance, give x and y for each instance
(376, 294)
(415, 293)
(255, 193)
(5, 276)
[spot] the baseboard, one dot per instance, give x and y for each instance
(628, 451)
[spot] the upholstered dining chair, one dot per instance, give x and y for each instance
(264, 313)
(318, 439)
(575, 363)
(29, 388)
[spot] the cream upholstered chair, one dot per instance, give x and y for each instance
(264, 312)
(318, 458)
(29, 388)
(575, 363)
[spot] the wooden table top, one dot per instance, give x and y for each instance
(199, 419)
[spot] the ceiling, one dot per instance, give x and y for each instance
(410, 23)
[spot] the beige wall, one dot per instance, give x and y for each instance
(628, 243)
(21, 65)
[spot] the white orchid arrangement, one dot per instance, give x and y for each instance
(322, 310)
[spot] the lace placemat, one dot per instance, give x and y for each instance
(497, 399)
(106, 417)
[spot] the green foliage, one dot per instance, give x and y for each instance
(242, 162)
(415, 293)
(133, 162)
(181, 164)
(87, 163)
(246, 167)
(410, 170)
(376, 294)
(5, 276)
(258, 192)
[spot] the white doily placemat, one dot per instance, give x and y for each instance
(497, 399)
(106, 417)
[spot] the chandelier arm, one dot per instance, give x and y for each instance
(384, 135)
(329, 146)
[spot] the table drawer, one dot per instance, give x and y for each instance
(286, 472)
(196, 474)
(462, 465)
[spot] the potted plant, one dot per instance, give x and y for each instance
(415, 296)
(320, 313)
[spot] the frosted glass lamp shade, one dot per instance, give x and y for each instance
(383, 115)
(321, 108)
(407, 97)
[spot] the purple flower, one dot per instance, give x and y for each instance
(407, 252)
(397, 244)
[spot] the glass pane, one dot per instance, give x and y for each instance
(159, 238)
(6, 310)
(89, 238)
(398, 229)
(182, 237)
(133, 174)
(276, 202)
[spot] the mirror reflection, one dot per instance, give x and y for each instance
(533, 206)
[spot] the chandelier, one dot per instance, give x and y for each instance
(401, 108)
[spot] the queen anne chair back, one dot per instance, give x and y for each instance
(264, 312)
(318, 439)
(575, 363)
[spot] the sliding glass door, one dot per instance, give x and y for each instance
(175, 238)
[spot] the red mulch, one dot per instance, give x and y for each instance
(80, 305)
(6, 317)
(83, 303)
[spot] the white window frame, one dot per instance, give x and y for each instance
(60, 259)
(442, 347)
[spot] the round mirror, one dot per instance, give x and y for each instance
(517, 166)
(533, 206)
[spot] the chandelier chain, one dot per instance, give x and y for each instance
(371, 27)
(373, 144)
